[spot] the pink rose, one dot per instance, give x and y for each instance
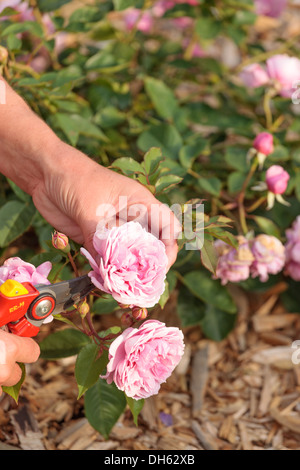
(9, 4)
(272, 8)
(160, 7)
(264, 143)
(130, 265)
(277, 179)
(19, 270)
(140, 360)
(285, 72)
(233, 263)
(292, 247)
(143, 21)
(269, 256)
(254, 76)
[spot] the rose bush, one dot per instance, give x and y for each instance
(200, 104)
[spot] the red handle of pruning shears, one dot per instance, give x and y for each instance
(24, 307)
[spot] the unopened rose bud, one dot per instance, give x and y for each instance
(3, 55)
(126, 319)
(139, 313)
(61, 242)
(83, 309)
(277, 179)
(263, 143)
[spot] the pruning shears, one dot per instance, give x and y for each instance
(24, 307)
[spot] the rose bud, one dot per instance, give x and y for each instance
(83, 309)
(277, 179)
(3, 55)
(264, 143)
(126, 319)
(61, 242)
(139, 313)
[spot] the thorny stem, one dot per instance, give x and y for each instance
(267, 108)
(241, 198)
(73, 264)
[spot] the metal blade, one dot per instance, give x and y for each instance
(68, 293)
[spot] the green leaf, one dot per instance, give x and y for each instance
(128, 166)
(216, 323)
(26, 27)
(235, 181)
(89, 367)
(209, 290)
(207, 28)
(165, 296)
(190, 309)
(105, 305)
(152, 160)
(14, 391)
(237, 158)
(51, 5)
(165, 183)
(136, 407)
(190, 152)
(104, 404)
(267, 226)
(74, 125)
(15, 218)
(19, 192)
(165, 136)
(123, 4)
(162, 97)
(210, 185)
(64, 343)
(209, 256)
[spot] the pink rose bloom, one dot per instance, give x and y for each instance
(233, 263)
(292, 247)
(285, 72)
(143, 21)
(272, 8)
(183, 22)
(19, 270)
(140, 360)
(9, 4)
(277, 179)
(130, 265)
(160, 7)
(264, 143)
(254, 76)
(269, 257)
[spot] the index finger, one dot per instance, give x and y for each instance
(24, 349)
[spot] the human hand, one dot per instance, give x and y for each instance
(14, 349)
(70, 195)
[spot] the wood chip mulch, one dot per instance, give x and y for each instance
(240, 394)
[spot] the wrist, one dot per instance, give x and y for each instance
(25, 142)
